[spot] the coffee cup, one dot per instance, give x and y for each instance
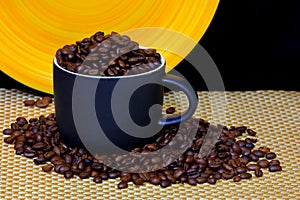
(126, 110)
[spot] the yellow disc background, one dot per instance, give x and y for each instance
(32, 30)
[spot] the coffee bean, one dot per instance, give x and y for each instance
(64, 168)
(9, 140)
(178, 173)
(113, 174)
(241, 170)
(274, 162)
(97, 179)
(191, 181)
(7, 131)
(49, 154)
(21, 121)
(275, 168)
(258, 173)
(264, 149)
(170, 110)
(68, 174)
(104, 176)
(47, 168)
(29, 102)
(258, 153)
(201, 180)
(122, 185)
(245, 175)
(253, 167)
(211, 180)
(47, 98)
(228, 175)
(253, 157)
(38, 145)
(14, 127)
(270, 155)
(263, 163)
(42, 103)
(217, 175)
(251, 132)
(138, 181)
(236, 179)
(84, 175)
(30, 153)
(165, 183)
(20, 151)
(155, 180)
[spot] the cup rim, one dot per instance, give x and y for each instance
(162, 60)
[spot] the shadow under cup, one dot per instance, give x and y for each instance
(125, 111)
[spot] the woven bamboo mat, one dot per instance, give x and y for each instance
(273, 114)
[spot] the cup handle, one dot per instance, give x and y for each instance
(177, 83)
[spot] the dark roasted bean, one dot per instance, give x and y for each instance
(21, 121)
(191, 181)
(155, 180)
(104, 176)
(97, 179)
(122, 185)
(274, 162)
(236, 179)
(228, 175)
(42, 103)
(165, 183)
(7, 131)
(258, 153)
(38, 145)
(253, 157)
(64, 168)
(29, 102)
(251, 132)
(170, 110)
(275, 168)
(253, 167)
(29, 153)
(258, 173)
(113, 174)
(270, 155)
(47, 168)
(178, 173)
(84, 175)
(245, 175)
(47, 98)
(68, 174)
(263, 163)
(211, 180)
(138, 181)
(9, 140)
(201, 180)
(264, 149)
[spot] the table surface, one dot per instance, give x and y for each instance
(275, 115)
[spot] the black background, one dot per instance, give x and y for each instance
(254, 43)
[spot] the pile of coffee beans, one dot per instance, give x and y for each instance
(107, 55)
(41, 103)
(231, 157)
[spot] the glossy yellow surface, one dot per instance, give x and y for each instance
(32, 30)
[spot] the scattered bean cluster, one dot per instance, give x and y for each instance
(107, 55)
(231, 158)
(41, 103)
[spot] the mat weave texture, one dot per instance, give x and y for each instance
(275, 115)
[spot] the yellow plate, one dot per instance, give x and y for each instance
(32, 31)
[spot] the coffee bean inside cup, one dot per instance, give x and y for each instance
(107, 55)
